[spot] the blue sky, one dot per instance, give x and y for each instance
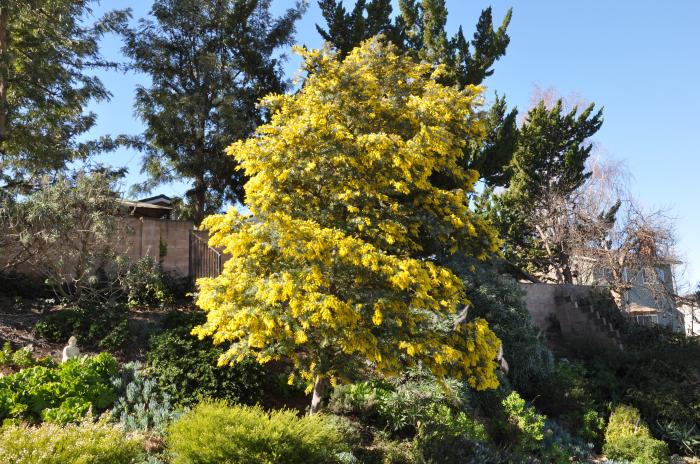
(639, 59)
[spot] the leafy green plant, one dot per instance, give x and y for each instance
(687, 435)
(627, 437)
(186, 368)
(21, 358)
(420, 420)
(399, 408)
(213, 433)
(145, 284)
(86, 442)
(61, 394)
(101, 324)
(140, 405)
(528, 423)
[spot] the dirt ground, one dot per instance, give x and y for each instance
(18, 317)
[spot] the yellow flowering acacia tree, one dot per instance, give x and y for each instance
(334, 267)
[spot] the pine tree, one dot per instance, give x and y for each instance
(549, 164)
(209, 61)
(329, 269)
(48, 51)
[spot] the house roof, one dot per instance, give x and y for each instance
(157, 200)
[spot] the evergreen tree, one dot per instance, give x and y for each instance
(548, 166)
(209, 61)
(419, 30)
(47, 50)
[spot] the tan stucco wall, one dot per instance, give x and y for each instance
(139, 237)
(546, 302)
(146, 234)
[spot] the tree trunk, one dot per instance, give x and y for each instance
(567, 275)
(200, 199)
(4, 70)
(319, 394)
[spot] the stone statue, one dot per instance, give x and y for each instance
(71, 351)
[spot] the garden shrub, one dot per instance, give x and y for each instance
(400, 407)
(186, 368)
(420, 420)
(214, 433)
(685, 436)
(21, 358)
(140, 405)
(144, 283)
(660, 375)
(60, 394)
(100, 324)
(87, 442)
(628, 438)
(527, 424)
(452, 439)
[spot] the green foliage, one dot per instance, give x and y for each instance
(140, 405)
(403, 408)
(48, 80)
(21, 358)
(419, 30)
(627, 437)
(87, 442)
(216, 433)
(67, 231)
(104, 325)
(661, 371)
(186, 368)
(60, 394)
(209, 63)
(420, 419)
(548, 166)
(499, 300)
(528, 424)
(145, 284)
(686, 437)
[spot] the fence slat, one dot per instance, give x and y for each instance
(205, 261)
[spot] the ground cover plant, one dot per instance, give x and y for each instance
(62, 393)
(85, 442)
(215, 433)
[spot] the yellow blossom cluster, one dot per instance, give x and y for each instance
(333, 267)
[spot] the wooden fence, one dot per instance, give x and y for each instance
(205, 261)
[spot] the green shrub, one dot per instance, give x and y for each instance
(528, 423)
(140, 405)
(93, 443)
(362, 399)
(104, 325)
(687, 436)
(145, 284)
(186, 368)
(60, 394)
(401, 407)
(21, 358)
(452, 439)
(213, 433)
(627, 437)
(421, 421)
